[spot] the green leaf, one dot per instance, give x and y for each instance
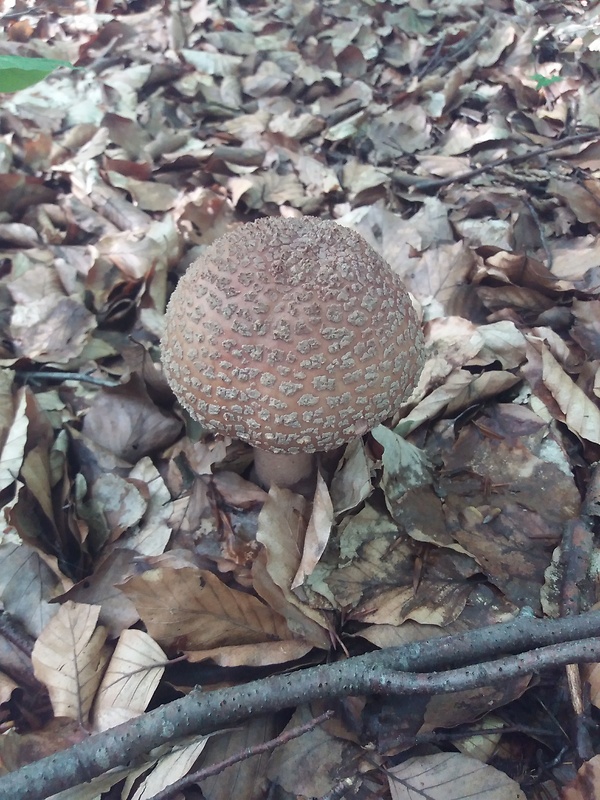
(19, 72)
(542, 81)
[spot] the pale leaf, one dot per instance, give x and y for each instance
(169, 769)
(581, 414)
(68, 658)
(130, 680)
(153, 533)
(450, 776)
(317, 533)
(351, 483)
(11, 457)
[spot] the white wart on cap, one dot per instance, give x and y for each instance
(293, 335)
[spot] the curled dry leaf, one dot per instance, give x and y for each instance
(461, 390)
(351, 483)
(317, 533)
(151, 536)
(586, 330)
(117, 611)
(581, 415)
(117, 502)
(281, 530)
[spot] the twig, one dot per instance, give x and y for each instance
(66, 376)
(248, 752)
(438, 183)
(203, 712)
(350, 784)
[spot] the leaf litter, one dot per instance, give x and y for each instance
(461, 139)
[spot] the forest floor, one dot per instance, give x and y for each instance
(462, 140)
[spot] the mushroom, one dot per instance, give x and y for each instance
(295, 336)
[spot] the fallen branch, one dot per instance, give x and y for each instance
(82, 377)
(437, 183)
(378, 672)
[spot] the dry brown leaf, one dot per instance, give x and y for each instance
(245, 780)
(437, 401)
(191, 609)
(317, 532)
(281, 530)
(434, 603)
(18, 750)
(592, 677)
(117, 611)
(585, 785)
(125, 421)
(451, 709)
(450, 776)
(310, 765)
(253, 655)
(118, 503)
(373, 556)
(351, 483)
(68, 657)
(27, 584)
(586, 330)
(152, 535)
(483, 746)
(579, 197)
(236, 491)
(481, 389)
(54, 329)
(581, 415)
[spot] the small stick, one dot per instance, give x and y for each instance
(438, 183)
(248, 752)
(67, 376)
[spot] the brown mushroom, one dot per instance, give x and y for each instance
(293, 335)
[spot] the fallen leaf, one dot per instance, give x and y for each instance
(68, 657)
(130, 680)
(450, 775)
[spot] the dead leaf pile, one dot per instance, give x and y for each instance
(137, 558)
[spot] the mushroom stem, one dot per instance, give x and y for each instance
(295, 471)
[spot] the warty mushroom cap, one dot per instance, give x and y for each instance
(291, 334)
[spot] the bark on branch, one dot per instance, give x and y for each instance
(560, 641)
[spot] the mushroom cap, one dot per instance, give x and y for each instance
(293, 335)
